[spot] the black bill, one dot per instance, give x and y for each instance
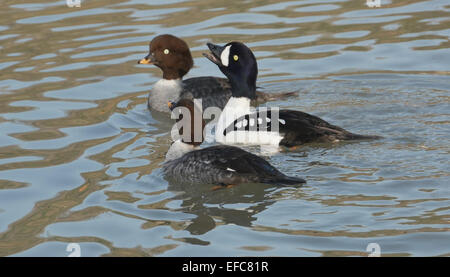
(214, 55)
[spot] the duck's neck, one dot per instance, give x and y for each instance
(243, 88)
(164, 91)
(178, 149)
(242, 92)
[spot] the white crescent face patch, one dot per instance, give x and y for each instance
(225, 56)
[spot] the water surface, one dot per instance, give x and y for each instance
(80, 154)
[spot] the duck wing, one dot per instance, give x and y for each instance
(295, 127)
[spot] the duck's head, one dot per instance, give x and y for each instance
(238, 63)
(171, 54)
(191, 128)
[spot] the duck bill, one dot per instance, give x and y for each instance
(147, 60)
(214, 54)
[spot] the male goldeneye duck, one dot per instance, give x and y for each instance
(215, 165)
(172, 56)
(239, 123)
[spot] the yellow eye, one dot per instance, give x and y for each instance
(166, 51)
(235, 57)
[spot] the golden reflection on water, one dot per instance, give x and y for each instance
(73, 102)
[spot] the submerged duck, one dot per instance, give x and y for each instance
(239, 123)
(222, 165)
(172, 56)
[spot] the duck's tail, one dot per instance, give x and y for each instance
(284, 181)
(264, 97)
(351, 136)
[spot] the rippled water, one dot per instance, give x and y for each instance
(80, 154)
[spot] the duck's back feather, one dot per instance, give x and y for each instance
(225, 165)
(215, 92)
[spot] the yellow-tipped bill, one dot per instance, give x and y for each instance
(144, 61)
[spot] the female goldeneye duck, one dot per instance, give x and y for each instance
(215, 165)
(172, 56)
(238, 123)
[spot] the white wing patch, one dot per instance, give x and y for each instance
(230, 169)
(282, 121)
(225, 56)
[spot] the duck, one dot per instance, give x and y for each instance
(172, 55)
(219, 165)
(239, 123)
